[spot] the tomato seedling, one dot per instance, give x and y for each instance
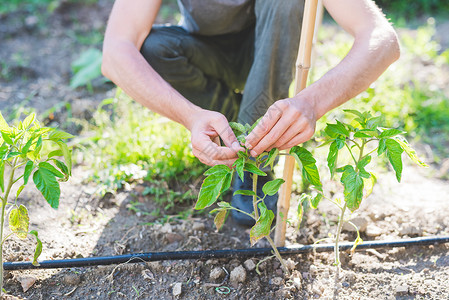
(22, 153)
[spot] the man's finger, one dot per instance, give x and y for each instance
(223, 129)
(204, 146)
(270, 118)
(299, 139)
(271, 137)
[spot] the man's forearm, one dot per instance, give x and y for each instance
(125, 66)
(370, 55)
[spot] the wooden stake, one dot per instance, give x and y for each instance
(302, 70)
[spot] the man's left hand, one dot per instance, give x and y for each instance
(287, 123)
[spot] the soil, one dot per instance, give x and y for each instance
(86, 225)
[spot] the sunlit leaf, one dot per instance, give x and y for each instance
(410, 152)
(212, 185)
(244, 193)
(262, 227)
(27, 172)
(394, 152)
(353, 187)
(390, 133)
(309, 168)
(47, 184)
(220, 218)
(28, 121)
(67, 155)
(272, 187)
(19, 221)
(271, 157)
(56, 135)
(316, 200)
(51, 168)
(237, 128)
(253, 169)
(38, 250)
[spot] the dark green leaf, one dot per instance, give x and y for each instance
(220, 218)
(253, 169)
(374, 122)
(338, 128)
(13, 154)
(19, 221)
(47, 184)
(62, 167)
(242, 154)
(7, 137)
(212, 185)
(28, 121)
(227, 182)
(332, 157)
(272, 187)
(28, 169)
(38, 147)
(390, 133)
(237, 128)
(316, 200)
(271, 157)
(262, 227)
(38, 250)
(51, 168)
(382, 147)
(245, 193)
(239, 164)
(353, 187)
(394, 152)
(309, 169)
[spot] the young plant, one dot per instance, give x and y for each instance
(219, 180)
(357, 181)
(22, 154)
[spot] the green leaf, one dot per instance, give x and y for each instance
(382, 147)
(28, 121)
(244, 193)
(309, 169)
(38, 147)
(353, 187)
(241, 139)
(227, 182)
(338, 128)
(86, 68)
(62, 167)
(271, 157)
(316, 200)
(212, 185)
(19, 190)
(67, 155)
(51, 168)
(55, 153)
(354, 112)
(220, 218)
(254, 125)
(3, 124)
(253, 169)
(13, 154)
(28, 169)
(272, 187)
(369, 184)
(390, 133)
(239, 164)
(373, 122)
(394, 152)
(2, 176)
(242, 154)
(224, 204)
(38, 250)
(7, 138)
(27, 146)
(47, 184)
(361, 166)
(19, 221)
(332, 157)
(262, 227)
(56, 135)
(237, 128)
(410, 152)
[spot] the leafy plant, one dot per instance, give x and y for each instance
(86, 68)
(356, 180)
(22, 153)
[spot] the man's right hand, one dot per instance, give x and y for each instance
(207, 127)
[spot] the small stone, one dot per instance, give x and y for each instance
(360, 222)
(166, 228)
(173, 237)
(26, 282)
(211, 262)
(402, 289)
(71, 279)
(345, 284)
(198, 226)
(313, 270)
(290, 264)
(373, 231)
(249, 265)
(216, 273)
(410, 230)
(350, 276)
(297, 283)
(177, 289)
(276, 281)
(238, 274)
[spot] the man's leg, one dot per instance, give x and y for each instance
(205, 70)
(277, 32)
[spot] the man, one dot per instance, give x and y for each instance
(195, 73)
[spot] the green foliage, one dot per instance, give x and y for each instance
(262, 227)
(86, 68)
(24, 148)
(126, 143)
(413, 9)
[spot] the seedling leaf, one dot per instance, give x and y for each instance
(263, 225)
(38, 250)
(394, 152)
(272, 187)
(19, 221)
(56, 135)
(28, 121)
(239, 165)
(245, 193)
(47, 184)
(27, 172)
(315, 201)
(220, 218)
(212, 185)
(271, 157)
(410, 152)
(353, 187)
(253, 169)
(390, 133)
(309, 169)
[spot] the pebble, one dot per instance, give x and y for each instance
(360, 222)
(166, 228)
(276, 281)
(313, 270)
(402, 289)
(216, 273)
(238, 274)
(249, 265)
(410, 230)
(26, 282)
(373, 231)
(173, 237)
(290, 264)
(71, 279)
(297, 283)
(177, 289)
(198, 226)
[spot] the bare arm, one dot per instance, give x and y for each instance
(292, 121)
(129, 24)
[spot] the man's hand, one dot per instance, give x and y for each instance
(287, 123)
(207, 128)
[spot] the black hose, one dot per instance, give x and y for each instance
(208, 254)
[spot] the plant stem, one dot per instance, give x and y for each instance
(256, 212)
(352, 155)
(278, 255)
(337, 236)
(2, 221)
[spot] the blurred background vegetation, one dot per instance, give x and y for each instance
(121, 143)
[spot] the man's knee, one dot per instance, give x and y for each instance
(280, 10)
(159, 47)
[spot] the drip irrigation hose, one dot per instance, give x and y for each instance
(208, 254)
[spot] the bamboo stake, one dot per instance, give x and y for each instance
(302, 70)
